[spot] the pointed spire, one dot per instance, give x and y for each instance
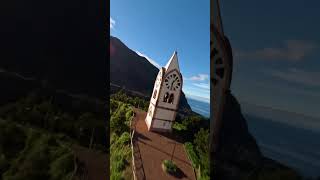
(173, 62)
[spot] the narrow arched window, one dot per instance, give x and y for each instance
(154, 94)
(171, 98)
(150, 112)
(166, 96)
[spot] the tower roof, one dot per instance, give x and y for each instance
(173, 62)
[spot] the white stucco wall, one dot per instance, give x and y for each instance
(148, 121)
(148, 117)
(159, 76)
(161, 124)
(164, 114)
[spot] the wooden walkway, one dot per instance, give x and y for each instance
(150, 149)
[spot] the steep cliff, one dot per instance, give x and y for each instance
(238, 155)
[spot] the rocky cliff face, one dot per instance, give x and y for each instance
(238, 155)
(238, 151)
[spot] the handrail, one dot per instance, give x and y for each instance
(188, 156)
(131, 137)
(132, 150)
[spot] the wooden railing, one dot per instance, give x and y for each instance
(188, 156)
(132, 130)
(141, 175)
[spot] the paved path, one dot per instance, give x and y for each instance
(95, 163)
(151, 148)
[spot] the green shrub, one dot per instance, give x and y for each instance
(179, 126)
(119, 160)
(113, 138)
(129, 114)
(120, 152)
(120, 164)
(134, 101)
(62, 166)
(31, 165)
(204, 177)
(42, 158)
(201, 145)
(192, 154)
(116, 176)
(117, 125)
(124, 139)
(121, 113)
(118, 120)
(169, 166)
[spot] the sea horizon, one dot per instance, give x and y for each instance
(200, 107)
(294, 140)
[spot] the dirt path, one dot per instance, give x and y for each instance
(96, 164)
(151, 148)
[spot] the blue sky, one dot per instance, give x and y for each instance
(276, 47)
(155, 29)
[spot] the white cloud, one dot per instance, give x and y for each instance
(199, 88)
(112, 23)
(199, 91)
(298, 76)
(293, 50)
(149, 59)
(202, 85)
(199, 77)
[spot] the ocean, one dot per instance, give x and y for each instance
(200, 107)
(289, 138)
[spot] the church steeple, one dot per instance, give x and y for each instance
(173, 62)
(165, 98)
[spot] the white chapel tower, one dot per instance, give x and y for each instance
(165, 97)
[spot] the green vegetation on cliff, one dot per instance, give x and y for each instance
(28, 153)
(120, 150)
(133, 101)
(194, 131)
(38, 131)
